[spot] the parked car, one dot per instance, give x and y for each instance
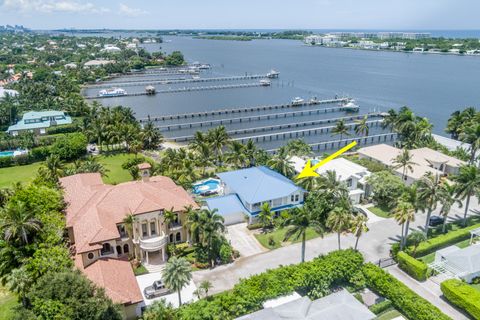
(435, 221)
(157, 289)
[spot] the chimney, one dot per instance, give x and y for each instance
(144, 170)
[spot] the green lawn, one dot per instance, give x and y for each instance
(388, 315)
(140, 270)
(429, 258)
(278, 235)
(381, 212)
(476, 286)
(8, 302)
(27, 173)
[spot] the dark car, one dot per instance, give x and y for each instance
(157, 289)
(435, 221)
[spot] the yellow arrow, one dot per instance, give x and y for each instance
(310, 171)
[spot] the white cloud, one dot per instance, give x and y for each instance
(127, 11)
(49, 6)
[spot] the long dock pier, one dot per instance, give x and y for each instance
(175, 81)
(217, 122)
(185, 89)
(336, 144)
(287, 134)
(240, 110)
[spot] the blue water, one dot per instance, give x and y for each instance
(208, 185)
(6, 153)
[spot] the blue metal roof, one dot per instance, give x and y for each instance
(258, 184)
(226, 205)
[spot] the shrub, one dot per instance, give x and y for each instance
(381, 306)
(254, 226)
(70, 146)
(386, 188)
(415, 268)
(67, 128)
(226, 253)
(6, 162)
(403, 298)
(39, 153)
(463, 296)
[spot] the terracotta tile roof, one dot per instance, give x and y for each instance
(116, 276)
(144, 165)
(94, 208)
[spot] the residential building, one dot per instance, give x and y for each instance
(424, 160)
(340, 305)
(102, 242)
(38, 122)
(5, 92)
(246, 190)
(352, 174)
(97, 63)
(459, 263)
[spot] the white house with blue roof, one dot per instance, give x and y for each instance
(245, 190)
(38, 122)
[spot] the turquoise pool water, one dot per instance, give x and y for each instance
(6, 153)
(209, 186)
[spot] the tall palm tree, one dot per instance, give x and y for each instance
(265, 216)
(250, 152)
(169, 217)
(19, 281)
(467, 185)
(151, 136)
(281, 163)
(298, 221)
(219, 138)
(340, 129)
(193, 224)
(54, 166)
(361, 126)
(428, 195)
(176, 275)
(359, 226)
(471, 135)
(18, 223)
(448, 197)
(404, 213)
(129, 221)
(339, 221)
(333, 186)
(404, 161)
(298, 147)
(212, 230)
(235, 155)
(390, 119)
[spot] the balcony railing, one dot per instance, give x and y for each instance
(153, 243)
(175, 226)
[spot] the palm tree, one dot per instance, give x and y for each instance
(54, 166)
(333, 186)
(219, 138)
(176, 275)
(19, 281)
(129, 221)
(361, 126)
(340, 129)
(206, 285)
(298, 147)
(151, 136)
(471, 135)
(390, 119)
(212, 228)
(467, 185)
(339, 221)
(18, 223)
(193, 224)
(448, 197)
(265, 216)
(415, 239)
(281, 163)
(250, 151)
(359, 226)
(404, 161)
(298, 221)
(236, 155)
(428, 195)
(404, 213)
(170, 217)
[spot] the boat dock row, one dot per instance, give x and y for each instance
(218, 122)
(241, 110)
(361, 141)
(288, 134)
(175, 81)
(186, 89)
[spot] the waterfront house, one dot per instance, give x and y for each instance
(102, 242)
(336, 306)
(425, 160)
(246, 190)
(352, 174)
(38, 122)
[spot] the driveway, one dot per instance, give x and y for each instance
(243, 240)
(186, 293)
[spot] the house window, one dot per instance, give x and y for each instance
(349, 183)
(144, 230)
(292, 198)
(106, 249)
(296, 197)
(119, 249)
(178, 237)
(126, 249)
(171, 237)
(90, 255)
(122, 231)
(153, 230)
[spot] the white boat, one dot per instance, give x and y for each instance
(351, 106)
(313, 100)
(204, 66)
(113, 92)
(265, 82)
(195, 77)
(273, 74)
(297, 101)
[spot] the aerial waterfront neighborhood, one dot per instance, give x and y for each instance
(149, 170)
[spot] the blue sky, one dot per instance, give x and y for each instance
(243, 14)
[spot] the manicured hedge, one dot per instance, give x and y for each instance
(463, 296)
(319, 275)
(403, 298)
(67, 128)
(381, 306)
(415, 268)
(443, 241)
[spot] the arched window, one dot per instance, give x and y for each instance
(171, 237)
(119, 249)
(106, 249)
(178, 237)
(126, 249)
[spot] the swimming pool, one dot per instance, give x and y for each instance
(6, 153)
(207, 187)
